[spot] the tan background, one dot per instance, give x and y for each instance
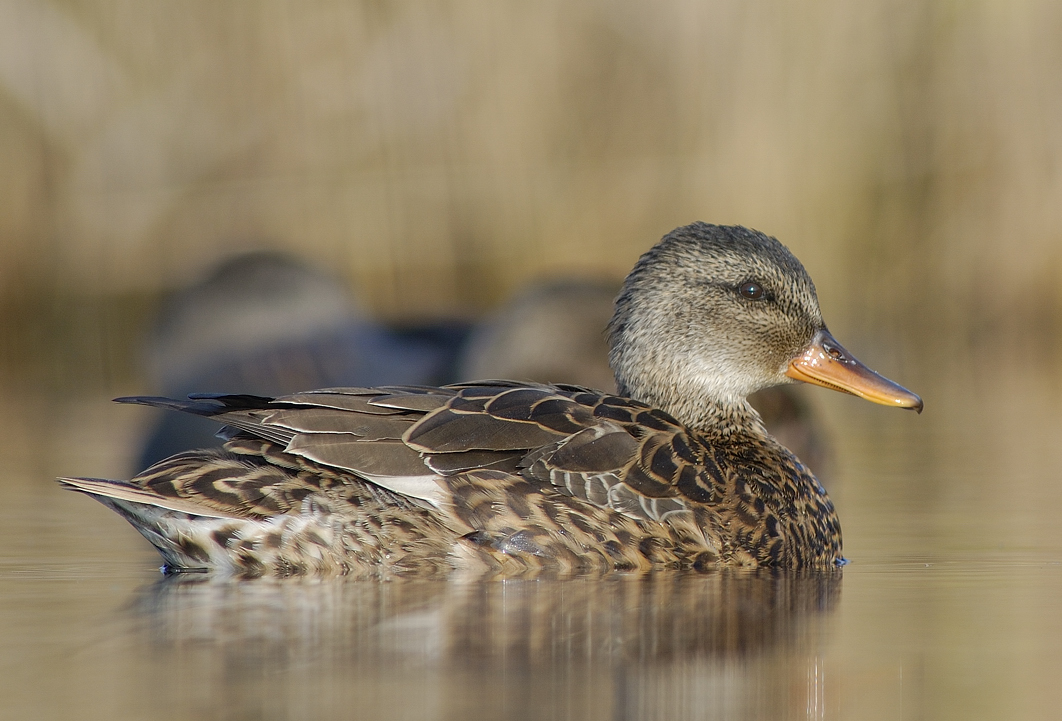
(441, 154)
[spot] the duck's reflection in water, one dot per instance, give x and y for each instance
(731, 644)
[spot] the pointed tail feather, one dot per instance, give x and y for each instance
(101, 488)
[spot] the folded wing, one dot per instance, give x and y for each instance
(609, 451)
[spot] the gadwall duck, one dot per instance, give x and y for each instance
(676, 470)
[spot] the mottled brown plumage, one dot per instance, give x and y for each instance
(511, 477)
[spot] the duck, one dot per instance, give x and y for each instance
(672, 470)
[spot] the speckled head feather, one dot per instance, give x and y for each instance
(686, 340)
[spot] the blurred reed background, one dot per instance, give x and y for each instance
(440, 155)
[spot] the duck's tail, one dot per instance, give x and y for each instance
(189, 536)
(193, 537)
(107, 491)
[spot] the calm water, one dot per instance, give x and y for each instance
(950, 609)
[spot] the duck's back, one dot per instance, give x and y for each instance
(498, 475)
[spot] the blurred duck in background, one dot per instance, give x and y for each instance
(264, 323)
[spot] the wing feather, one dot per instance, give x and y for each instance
(609, 451)
(330, 420)
(358, 403)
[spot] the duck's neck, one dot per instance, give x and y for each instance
(713, 417)
(731, 419)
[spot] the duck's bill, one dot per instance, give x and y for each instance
(826, 363)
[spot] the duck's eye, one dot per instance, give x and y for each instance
(751, 290)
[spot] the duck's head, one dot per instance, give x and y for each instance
(713, 313)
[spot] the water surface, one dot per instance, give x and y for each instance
(950, 609)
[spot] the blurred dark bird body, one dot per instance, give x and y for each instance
(676, 470)
(265, 324)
